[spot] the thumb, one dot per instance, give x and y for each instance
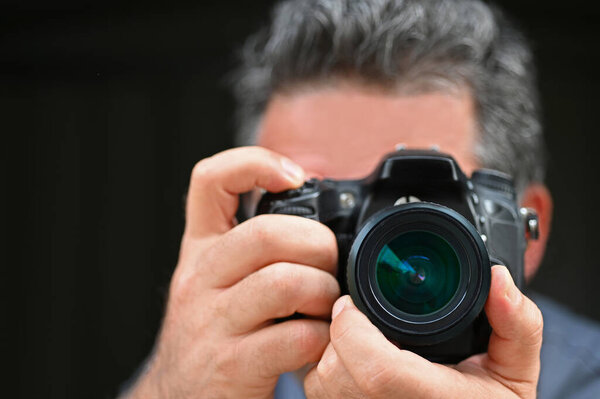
(516, 340)
(378, 367)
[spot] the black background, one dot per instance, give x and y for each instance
(106, 108)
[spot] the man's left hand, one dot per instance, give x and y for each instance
(360, 362)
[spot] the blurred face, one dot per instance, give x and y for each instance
(344, 131)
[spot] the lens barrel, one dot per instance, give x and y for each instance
(420, 272)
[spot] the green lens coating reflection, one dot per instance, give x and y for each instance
(418, 272)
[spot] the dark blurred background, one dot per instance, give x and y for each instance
(106, 108)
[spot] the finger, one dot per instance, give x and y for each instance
(284, 347)
(333, 378)
(516, 340)
(216, 182)
(277, 291)
(267, 239)
(376, 365)
(313, 388)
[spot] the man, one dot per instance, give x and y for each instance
(326, 91)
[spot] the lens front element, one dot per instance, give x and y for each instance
(418, 272)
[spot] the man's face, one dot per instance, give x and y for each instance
(342, 132)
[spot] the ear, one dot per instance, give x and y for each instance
(538, 197)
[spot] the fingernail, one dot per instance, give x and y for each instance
(293, 171)
(338, 306)
(510, 289)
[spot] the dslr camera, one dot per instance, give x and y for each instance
(417, 240)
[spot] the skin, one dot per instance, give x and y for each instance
(218, 338)
(342, 132)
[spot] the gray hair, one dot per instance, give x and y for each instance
(411, 45)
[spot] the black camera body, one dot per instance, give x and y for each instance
(416, 241)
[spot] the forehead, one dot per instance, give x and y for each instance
(343, 131)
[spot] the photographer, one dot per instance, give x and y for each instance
(326, 91)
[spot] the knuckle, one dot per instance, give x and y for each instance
(278, 288)
(374, 380)
(305, 337)
(260, 229)
(258, 152)
(536, 326)
(221, 306)
(326, 369)
(183, 285)
(202, 171)
(228, 359)
(185, 292)
(311, 385)
(282, 281)
(340, 329)
(262, 369)
(203, 261)
(251, 356)
(211, 255)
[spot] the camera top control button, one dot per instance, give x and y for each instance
(309, 186)
(311, 183)
(294, 192)
(494, 180)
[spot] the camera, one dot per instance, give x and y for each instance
(416, 241)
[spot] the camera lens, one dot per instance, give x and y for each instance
(418, 272)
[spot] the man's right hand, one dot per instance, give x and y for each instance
(218, 337)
